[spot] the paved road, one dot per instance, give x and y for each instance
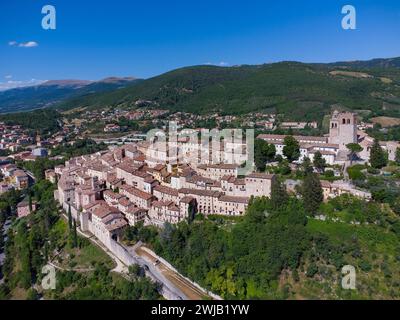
(30, 174)
(189, 290)
(169, 290)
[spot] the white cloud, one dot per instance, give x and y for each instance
(28, 44)
(220, 64)
(9, 76)
(12, 84)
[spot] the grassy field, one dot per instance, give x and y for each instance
(386, 121)
(351, 74)
(84, 257)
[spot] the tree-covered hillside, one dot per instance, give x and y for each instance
(281, 253)
(300, 91)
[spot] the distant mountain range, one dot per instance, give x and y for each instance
(298, 90)
(54, 91)
(374, 63)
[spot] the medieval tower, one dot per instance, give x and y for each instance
(343, 129)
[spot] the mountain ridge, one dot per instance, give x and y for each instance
(303, 90)
(51, 92)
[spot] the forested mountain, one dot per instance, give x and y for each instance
(299, 91)
(303, 91)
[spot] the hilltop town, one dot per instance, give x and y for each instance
(125, 180)
(148, 183)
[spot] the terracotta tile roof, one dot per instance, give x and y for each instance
(234, 199)
(187, 199)
(123, 201)
(204, 193)
(167, 190)
(138, 193)
(112, 194)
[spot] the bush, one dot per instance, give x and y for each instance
(312, 270)
(355, 172)
(365, 266)
(329, 174)
(371, 170)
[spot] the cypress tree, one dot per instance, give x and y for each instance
(397, 156)
(312, 193)
(378, 158)
(279, 196)
(319, 162)
(75, 236)
(69, 217)
(307, 167)
(30, 203)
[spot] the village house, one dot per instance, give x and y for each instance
(105, 222)
(218, 171)
(21, 179)
(136, 215)
(336, 189)
(139, 198)
(50, 175)
(23, 208)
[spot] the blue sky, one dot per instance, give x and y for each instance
(96, 39)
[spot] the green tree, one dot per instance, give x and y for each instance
(1, 239)
(312, 193)
(279, 196)
(69, 217)
(284, 168)
(319, 162)
(353, 148)
(378, 158)
(263, 153)
(136, 271)
(306, 165)
(291, 150)
(397, 156)
(75, 236)
(30, 202)
(32, 294)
